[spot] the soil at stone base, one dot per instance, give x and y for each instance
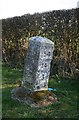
(35, 99)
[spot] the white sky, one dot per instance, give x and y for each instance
(11, 8)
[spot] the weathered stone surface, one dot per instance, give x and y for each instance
(37, 64)
(34, 88)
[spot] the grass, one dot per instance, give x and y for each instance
(66, 91)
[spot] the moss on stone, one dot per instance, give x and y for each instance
(34, 99)
(39, 95)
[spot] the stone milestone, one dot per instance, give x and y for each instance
(37, 64)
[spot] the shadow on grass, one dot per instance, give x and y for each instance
(66, 91)
(12, 108)
(66, 107)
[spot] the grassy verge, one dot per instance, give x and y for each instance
(66, 91)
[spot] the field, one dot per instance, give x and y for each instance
(66, 91)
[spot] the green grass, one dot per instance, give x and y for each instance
(66, 91)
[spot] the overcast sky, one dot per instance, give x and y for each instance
(11, 8)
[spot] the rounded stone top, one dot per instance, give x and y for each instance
(41, 39)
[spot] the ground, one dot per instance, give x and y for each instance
(66, 91)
